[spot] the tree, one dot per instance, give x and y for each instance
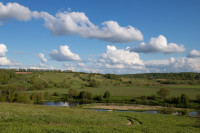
(72, 93)
(163, 92)
(198, 98)
(85, 95)
(93, 83)
(106, 94)
(98, 98)
(184, 100)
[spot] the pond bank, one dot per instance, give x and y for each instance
(141, 109)
(111, 106)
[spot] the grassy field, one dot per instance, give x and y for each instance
(36, 118)
(144, 87)
(134, 91)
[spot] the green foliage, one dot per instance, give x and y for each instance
(163, 92)
(112, 76)
(85, 95)
(72, 93)
(39, 85)
(198, 97)
(56, 94)
(23, 98)
(93, 83)
(6, 75)
(184, 100)
(106, 95)
(173, 76)
(98, 98)
(37, 97)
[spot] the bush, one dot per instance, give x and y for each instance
(85, 95)
(72, 93)
(37, 97)
(93, 83)
(184, 100)
(198, 98)
(56, 94)
(106, 95)
(98, 98)
(163, 92)
(23, 98)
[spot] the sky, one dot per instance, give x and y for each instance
(101, 36)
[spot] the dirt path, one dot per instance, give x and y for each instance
(133, 121)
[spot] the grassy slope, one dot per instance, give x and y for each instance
(106, 84)
(37, 118)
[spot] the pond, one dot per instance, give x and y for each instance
(72, 104)
(60, 103)
(191, 113)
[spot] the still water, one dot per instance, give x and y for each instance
(192, 113)
(71, 104)
(60, 103)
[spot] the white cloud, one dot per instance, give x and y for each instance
(158, 45)
(42, 58)
(14, 11)
(69, 67)
(4, 61)
(72, 23)
(173, 65)
(64, 54)
(64, 23)
(194, 54)
(41, 65)
(120, 58)
(81, 64)
(3, 50)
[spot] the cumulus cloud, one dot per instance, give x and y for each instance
(14, 11)
(184, 65)
(64, 54)
(173, 65)
(72, 23)
(158, 45)
(194, 54)
(71, 67)
(3, 50)
(65, 23)
(120, 58)
(4, 61)
(42, 58)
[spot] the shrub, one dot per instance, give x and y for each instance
(198, 98)
(85, 95)
(93, 83)
(163, 92)
(98, 98)
(72, 93)
(23, 98)
(37, 97)
(56, 94)
(106, 95)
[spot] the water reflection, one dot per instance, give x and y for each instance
(192, 113)
(60, 103)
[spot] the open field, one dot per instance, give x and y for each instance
(134, 91)
(36, 118)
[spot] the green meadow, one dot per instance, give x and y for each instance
(33, 88)
(22, 118)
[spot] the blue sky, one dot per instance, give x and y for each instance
(101, 48)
